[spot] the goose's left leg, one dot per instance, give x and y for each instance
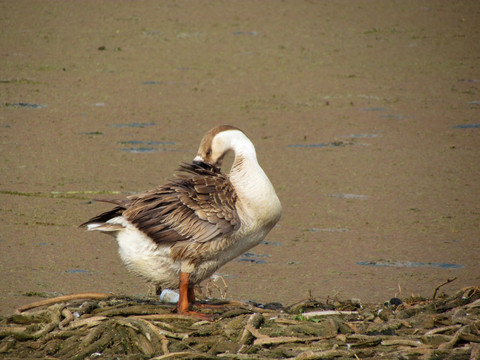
(187, 297)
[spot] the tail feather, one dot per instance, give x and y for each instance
(101, 219)
(105, 227)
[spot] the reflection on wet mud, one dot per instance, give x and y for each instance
(147, 146)
(77, 271)
(254, 258)
(132, 124)
(467, 126)
(25, 105)
(392, 263)
(349, 196)
(328, 230)
(322, 145)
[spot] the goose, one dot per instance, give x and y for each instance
(180, 233)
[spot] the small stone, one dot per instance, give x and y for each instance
(273, 306)
(395, 301)
(169, 296)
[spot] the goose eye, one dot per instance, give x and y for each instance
(209, 152)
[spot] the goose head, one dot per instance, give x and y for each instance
(221, 140)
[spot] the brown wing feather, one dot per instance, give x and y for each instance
(198, 205)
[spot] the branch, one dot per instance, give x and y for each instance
(439, 286)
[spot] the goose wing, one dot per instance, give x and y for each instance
(198, 205)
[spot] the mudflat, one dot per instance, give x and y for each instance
(365, 116)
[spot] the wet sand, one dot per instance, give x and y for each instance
(365, 116)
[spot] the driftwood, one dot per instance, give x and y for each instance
(84, 326)
(61, 299)
(442, 284)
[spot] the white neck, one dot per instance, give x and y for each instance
(239, 143)
(245, 170)
(254, 189)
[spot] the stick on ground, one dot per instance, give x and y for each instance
(64, 298)
(439, 286)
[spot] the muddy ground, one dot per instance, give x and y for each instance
(365, 116)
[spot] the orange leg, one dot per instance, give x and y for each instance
(187, 297)
(182, 305)
(191, 295)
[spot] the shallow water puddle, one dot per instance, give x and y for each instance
(140, 150)
(77, 271)
(132, 124)
(254, 258)
(154, 82)
(93, 133)
(328, 230)
(322, 145)
(25, 105)
(385, 116)
(349, 196)
(362, 136)
(274, 243)
(249, 33)
(138, 142)
(147, 146)
(392, 263)
(338, 143)
(374, 109)
(392, 116)
(467, 126)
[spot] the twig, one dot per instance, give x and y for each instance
(55, 320)
(255, 332)
(164, 342)
(181, 354)
(308, 315)
(105, 338)
(284, 339)
(89, 322)
(262, 339)
(154, 317)
(402, 342)
(68, 317)
(439, 286)
(476, 303)
(440, 330)
(326, 354)
(246, 338)
(453, 341)
(64, 298)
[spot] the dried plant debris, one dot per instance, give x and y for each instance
(91, 326)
